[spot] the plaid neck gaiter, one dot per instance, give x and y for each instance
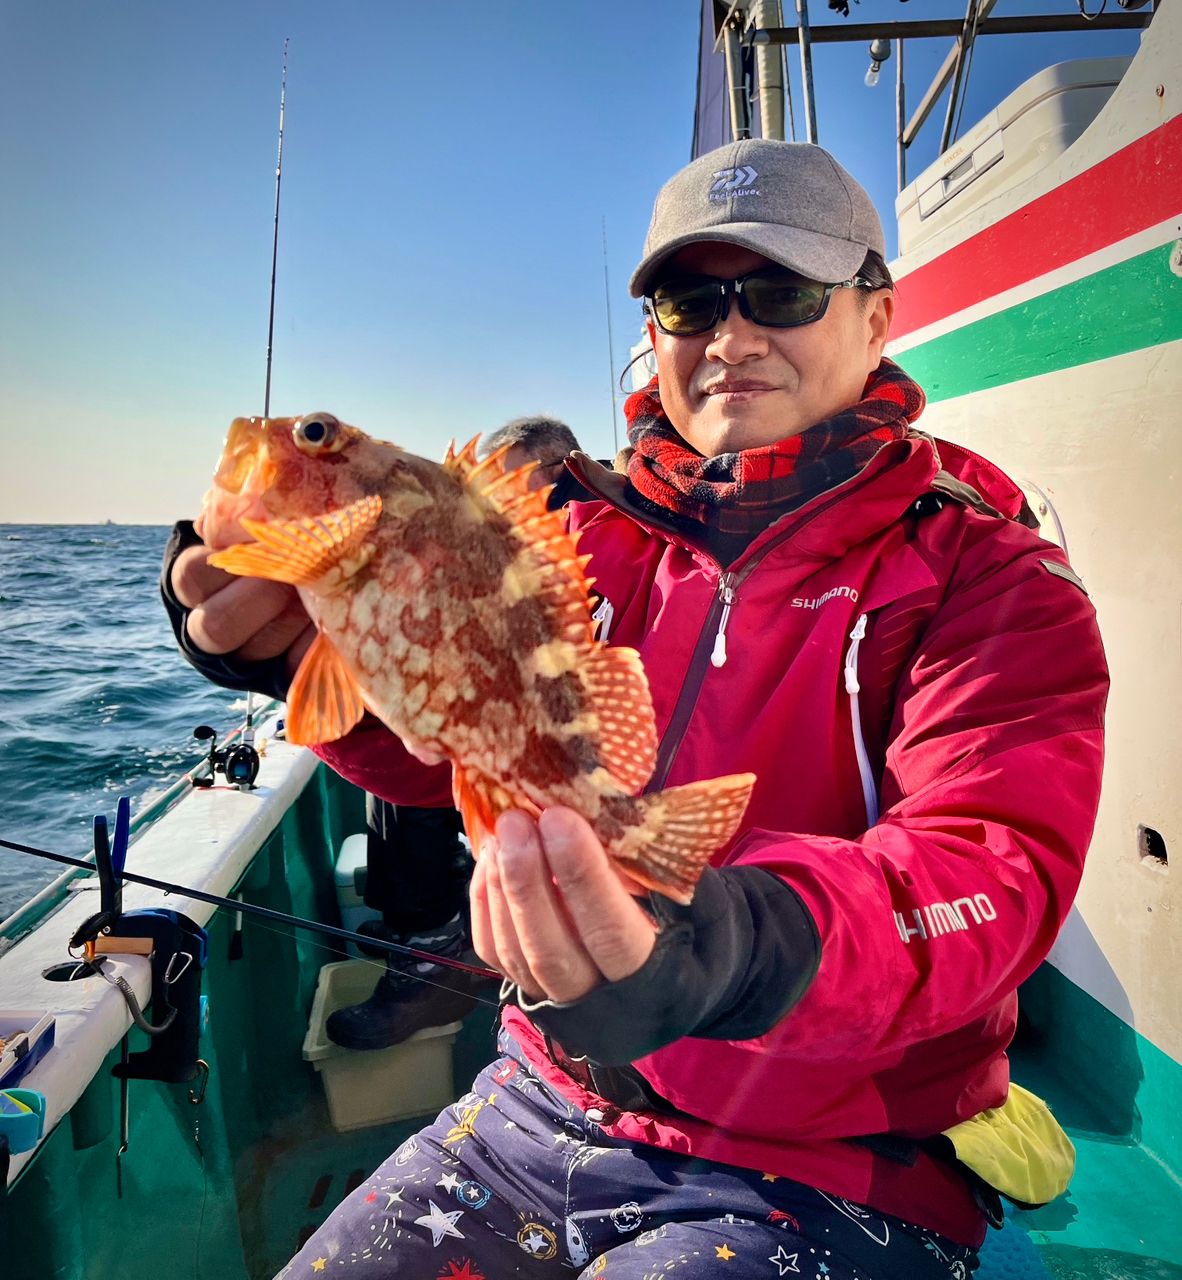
(735, 496)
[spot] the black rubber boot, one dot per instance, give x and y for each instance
(413, 994)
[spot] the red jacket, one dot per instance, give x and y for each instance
(980, 686)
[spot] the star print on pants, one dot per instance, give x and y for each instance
(440, 1224)
(460, 1270)
(725, 1252)
(785, 1261)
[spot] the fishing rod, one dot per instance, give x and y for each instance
(264, 913)
(275, 235)
(248, 735)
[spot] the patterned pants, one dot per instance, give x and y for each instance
(514, 1181)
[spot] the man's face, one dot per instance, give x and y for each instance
(742, 385)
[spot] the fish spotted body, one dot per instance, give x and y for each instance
(452, 604)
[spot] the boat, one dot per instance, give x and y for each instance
(1040, 303)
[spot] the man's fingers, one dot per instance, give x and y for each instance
(616, 932)
(239, 616)
(194, 579)
(483, 942)
(550, 946)
(506, 944)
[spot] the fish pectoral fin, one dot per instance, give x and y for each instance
(682, 828)
(326, 549)
(324, 701)
(618, 692)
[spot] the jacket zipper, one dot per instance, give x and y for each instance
(711, 641)
(726, 593)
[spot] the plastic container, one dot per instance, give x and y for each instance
(349, 874)
(376, 1086)
(22, 1119)
(22, 1055)
(1022, 135)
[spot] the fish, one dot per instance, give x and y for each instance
(455, 607)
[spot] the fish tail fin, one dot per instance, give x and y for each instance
(682, 828)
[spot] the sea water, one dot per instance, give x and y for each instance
(95, 699)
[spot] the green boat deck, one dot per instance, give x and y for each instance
(230, 1188)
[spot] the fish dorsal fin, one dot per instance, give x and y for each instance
(618, 687)
(549, 568)
(304, 551)
(547, 565)
(324, 701)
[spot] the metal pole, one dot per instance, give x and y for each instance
(770, 77)
(857, 32)
(275, 239)
(806, 69)
(962, 51)
(900, 117)
(740, 116)
(929, 99)
(787, 74)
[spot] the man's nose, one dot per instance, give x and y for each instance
(735, 338)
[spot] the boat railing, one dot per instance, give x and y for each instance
(50, 898)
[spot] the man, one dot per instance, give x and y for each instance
(859, 615)
(546, 441)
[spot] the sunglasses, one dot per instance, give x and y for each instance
(774, 296)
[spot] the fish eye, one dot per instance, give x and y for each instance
(318, 433)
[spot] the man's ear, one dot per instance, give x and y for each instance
(652, 330)
(878, 323)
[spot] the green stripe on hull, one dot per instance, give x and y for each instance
(1134, 304)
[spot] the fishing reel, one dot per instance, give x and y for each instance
(239, 764)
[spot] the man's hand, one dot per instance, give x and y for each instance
(550, 912)
(248, 617)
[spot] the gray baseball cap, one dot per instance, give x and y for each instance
(790, 201)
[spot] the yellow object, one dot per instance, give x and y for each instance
(1019, 1148)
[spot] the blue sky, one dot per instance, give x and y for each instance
(448, 171)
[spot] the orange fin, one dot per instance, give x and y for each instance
(471, 793)
(324, 701)
(683, 827)
(617, 688)
(304, 551)
(481, 801)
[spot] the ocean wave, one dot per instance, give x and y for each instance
(96, 701)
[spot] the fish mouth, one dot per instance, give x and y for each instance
(246, 466)
(244, 475)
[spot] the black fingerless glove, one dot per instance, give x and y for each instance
(268, 677)
(727, 967)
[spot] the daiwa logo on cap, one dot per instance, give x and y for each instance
(734, 182)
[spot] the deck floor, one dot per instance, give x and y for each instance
(1121, 1219)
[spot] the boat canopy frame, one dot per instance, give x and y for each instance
(737, 30)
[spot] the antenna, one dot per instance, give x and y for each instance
(275, 239)
(611, 382)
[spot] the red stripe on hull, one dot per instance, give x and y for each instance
(1134, 188)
